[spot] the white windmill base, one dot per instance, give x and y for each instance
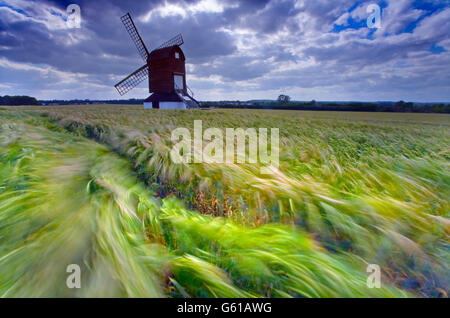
(166, 105)
(171, 100)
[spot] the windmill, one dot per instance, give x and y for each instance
(165, 69)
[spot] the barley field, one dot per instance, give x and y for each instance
(96, 186)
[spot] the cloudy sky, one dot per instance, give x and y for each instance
(236, 49)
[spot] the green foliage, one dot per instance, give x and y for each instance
(283, 99)
(18, 100)
(376, 185)
(284, 102)
(352, 189)
(65, 200)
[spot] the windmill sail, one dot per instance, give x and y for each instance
(176, 40)
(134, 34)
(132, 80)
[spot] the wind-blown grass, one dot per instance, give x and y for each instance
(66, 200)
(373, 185)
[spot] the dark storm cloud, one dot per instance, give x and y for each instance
(308, 48)
(203, 40)
(35, 43)
(261, 16)
(103, 34)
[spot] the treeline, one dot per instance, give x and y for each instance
(18, 100)
(283, 104)
(401, 106)
(132, 101)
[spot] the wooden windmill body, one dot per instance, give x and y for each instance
(166, 72)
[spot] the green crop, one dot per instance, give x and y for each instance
(352, 189)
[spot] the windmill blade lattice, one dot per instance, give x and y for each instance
(134, 34)
(176, 40)
(132, 80)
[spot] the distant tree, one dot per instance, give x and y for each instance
(401, 106)
(18, 100)
(284, 99)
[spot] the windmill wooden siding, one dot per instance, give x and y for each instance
(165, 69)
(163, 66)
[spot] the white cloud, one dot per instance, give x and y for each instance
(184, 10)
(397, 16)
(50, 16)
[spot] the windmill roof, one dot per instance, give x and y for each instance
(165, 53)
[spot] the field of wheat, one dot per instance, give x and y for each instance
(96, 186)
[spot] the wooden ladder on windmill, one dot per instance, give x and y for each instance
(187, 96)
